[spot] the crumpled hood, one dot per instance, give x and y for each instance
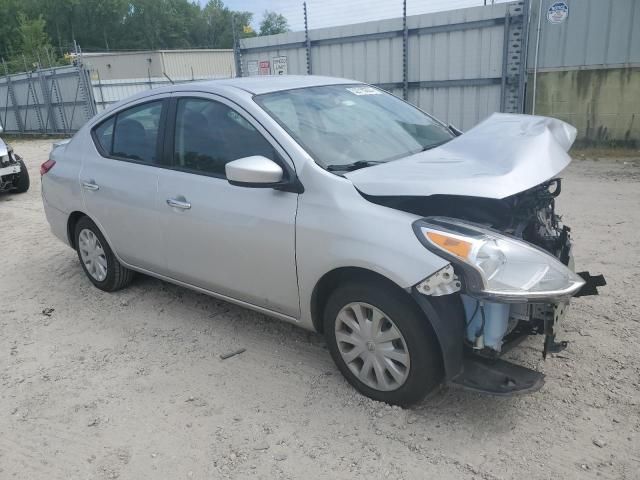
(501, 156)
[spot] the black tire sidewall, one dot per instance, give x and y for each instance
(425, 371)
(23, 182)
(108, 284)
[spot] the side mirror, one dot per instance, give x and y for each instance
(1, 129)
(256, 171)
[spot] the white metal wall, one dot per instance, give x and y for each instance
(198, 63)
(179, 65)
(175, 63)
(455, 58)
(107, 92)
(596, 34)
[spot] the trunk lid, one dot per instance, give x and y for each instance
(501, 156)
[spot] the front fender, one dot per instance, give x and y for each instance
(447, 318)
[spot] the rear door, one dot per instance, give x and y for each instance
(235, 241)
(119, 180)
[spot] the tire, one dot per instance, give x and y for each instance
(22, 183)
(115, 275)
(424, 372)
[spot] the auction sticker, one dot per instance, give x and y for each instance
(558, 12)
(364, 91)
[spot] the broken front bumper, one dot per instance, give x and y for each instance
(474, 363)
(10, 170)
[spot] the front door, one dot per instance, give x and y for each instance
(119, 183)
(235, 241)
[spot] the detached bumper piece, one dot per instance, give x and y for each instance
(592, 282)
(497, 377)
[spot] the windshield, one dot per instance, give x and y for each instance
(343, 125)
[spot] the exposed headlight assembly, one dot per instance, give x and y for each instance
(496, 266)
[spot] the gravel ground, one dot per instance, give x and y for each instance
(130, 385)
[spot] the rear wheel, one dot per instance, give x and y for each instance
(382, 343)
(97, 258)
(21, 185)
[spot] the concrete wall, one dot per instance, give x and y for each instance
(603, 104)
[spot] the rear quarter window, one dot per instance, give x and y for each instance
(103, 135)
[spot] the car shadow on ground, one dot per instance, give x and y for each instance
(471, 408)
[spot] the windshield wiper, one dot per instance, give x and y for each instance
(349, 167)
(434, 145)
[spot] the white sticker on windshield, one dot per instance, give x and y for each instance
(364, 91)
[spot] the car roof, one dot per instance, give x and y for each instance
(270, 83)
(232, 87)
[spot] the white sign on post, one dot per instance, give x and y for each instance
(279, 66)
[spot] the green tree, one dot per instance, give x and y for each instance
(9, 37)
(273, 23)
(220, 20)
(30, 26)
(34, 43)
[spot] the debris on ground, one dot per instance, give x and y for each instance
(224, 356)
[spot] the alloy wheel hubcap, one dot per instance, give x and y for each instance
(92, 255)
(372, 346)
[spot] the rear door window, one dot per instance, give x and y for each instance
(132, 134)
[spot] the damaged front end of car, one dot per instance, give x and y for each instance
(13, 174)
(512, 267)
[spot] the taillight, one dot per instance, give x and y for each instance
(46, 166)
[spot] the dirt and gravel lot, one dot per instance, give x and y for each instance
(130, 385)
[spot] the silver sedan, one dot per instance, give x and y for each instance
(420, 252)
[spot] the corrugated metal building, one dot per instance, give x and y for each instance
(177, 64)
(456, 66)
(588, 68)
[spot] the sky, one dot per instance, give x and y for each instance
(326, 13)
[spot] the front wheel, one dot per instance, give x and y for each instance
(21, 184)
(382, 342)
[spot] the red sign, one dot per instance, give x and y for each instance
(265, 68)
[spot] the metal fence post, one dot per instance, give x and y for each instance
(46, 94)
(90, 101)
(526, 9)
(237, 55)
(102, 102)
(505, 55)
(14, 102)
(514, 68)
(405, 55)
(31, 94)
(55, 90)
(307, 40)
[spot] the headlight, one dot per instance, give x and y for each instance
(497, 266)
(4, 160)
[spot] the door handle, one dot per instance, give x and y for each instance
(90, 185)
(182, 204)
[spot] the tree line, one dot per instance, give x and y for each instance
(41, 32)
